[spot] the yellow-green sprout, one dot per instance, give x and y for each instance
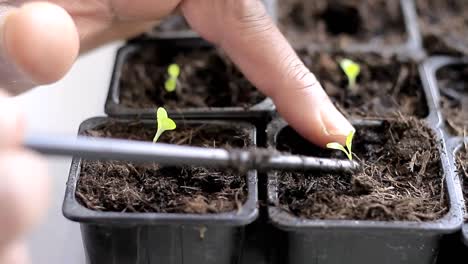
(164, 123)
(352, 71)
(171, 83)
(349, 142)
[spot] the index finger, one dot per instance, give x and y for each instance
(257, 47)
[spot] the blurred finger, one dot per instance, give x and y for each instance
(39, 43)
(11, 123)
(23, 193)
(14, 253)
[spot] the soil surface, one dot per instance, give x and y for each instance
(444, 25)
(341, 22)
(134, 187)
(453, 83)
(384, 87)
(207, 79)
(462, 168)
(401, 178)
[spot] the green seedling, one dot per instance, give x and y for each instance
(352, 71)
(349, 143)
(164, 123)
(171, 83)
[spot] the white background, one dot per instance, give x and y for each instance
(59, 109)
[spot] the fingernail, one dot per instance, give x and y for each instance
(333, 122)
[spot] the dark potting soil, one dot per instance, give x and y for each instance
(462, 168)
(385, 86)
(134, 187)
(401, 178)
(453, 83)
(444, 25)
(340, 22)
(207, 79)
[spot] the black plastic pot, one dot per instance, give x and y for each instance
(137, 238)
(429, 70)
(454, 247)
(458, 144)
(437, 39)
(412, 47)
(114, 108)
(362, 242)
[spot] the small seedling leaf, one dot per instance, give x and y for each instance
(164, 123)
(337, 146)
(161, 113)
(351, 69)
(349, 141)
(174, 71)
(168, 124)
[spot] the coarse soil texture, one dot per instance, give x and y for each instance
(337, 23)
(444, 25)
(207, 79)
(134, 187)
(385, 86)
(400, 179)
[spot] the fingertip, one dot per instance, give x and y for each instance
(41, 38)
(312, 114)
(23, 192)
(335, 127)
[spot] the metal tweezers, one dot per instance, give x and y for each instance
(175, 155)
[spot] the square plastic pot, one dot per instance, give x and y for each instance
(429, 70)
(113, 106)
(438, 38)
(412, 47)
(362, 242)
(144, 238)
(456, 145)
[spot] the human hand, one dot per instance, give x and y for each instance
(43, 39)
(23, 186)
(39, 42)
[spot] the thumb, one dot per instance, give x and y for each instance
(38, 44)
